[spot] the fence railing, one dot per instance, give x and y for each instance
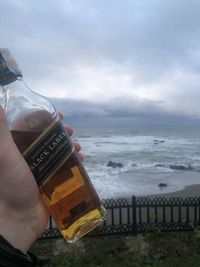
(140, 214)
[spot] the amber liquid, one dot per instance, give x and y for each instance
(69, 193)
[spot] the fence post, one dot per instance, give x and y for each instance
(134, 223)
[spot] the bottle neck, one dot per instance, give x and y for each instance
(13, 88)
(8, 80)
(15, 85)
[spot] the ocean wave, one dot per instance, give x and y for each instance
(155, 152)
(176, 167)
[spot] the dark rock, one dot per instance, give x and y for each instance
(134, 164)
(181, 167)
(162, 185)
(157, 142)
(160, 165)
(114, 164)
(177, 167)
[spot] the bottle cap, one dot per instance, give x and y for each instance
(9, 70)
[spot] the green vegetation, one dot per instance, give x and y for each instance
(152, 250)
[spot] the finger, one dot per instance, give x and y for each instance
(6, 140)
(60, 115)
(4, 130)
(69, 130)
(77, 146)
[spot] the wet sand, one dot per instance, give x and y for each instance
(188, 191)
(186, 183)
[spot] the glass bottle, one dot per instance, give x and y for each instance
(40, 136)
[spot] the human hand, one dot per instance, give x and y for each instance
(23, 216)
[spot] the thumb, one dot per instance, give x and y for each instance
(4, 129)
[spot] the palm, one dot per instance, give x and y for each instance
(18, 189)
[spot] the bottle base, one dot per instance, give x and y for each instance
(84, 225)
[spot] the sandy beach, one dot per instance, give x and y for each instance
(188, 191)
(182, 183)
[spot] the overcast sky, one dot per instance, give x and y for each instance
(115, 57)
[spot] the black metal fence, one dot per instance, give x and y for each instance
(142, 214)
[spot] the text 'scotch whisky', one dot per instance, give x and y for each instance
(40, 136)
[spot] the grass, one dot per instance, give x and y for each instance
(151, 250)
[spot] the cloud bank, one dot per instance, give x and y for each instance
(122, 57)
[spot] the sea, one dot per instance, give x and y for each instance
(140, 160)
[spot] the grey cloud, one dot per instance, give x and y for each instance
(125, 107)
(148, 38)
(150, 35)
(111, 113)
(76, 109)
(116, 108)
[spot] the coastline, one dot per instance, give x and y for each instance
(188, 191)
(180, 184)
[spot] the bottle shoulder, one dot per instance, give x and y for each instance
(21, 101)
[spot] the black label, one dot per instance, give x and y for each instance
(48, 153)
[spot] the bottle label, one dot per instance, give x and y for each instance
(81, 207)
(9, 70)
(48, 152)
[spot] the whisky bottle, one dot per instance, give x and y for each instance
(63, 182)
